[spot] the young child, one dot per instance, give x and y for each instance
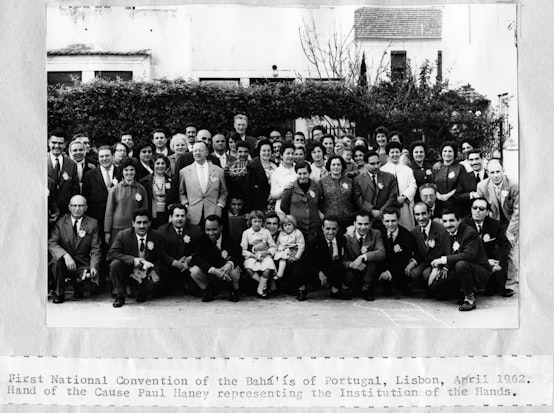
(290, 245)
(258, 248)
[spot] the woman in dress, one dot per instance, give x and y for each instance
(143, 153)
(316, 155)
(158, 189)
(258, 177)
(123, 199)
(337, 194)
(446, 177)
(407, 186)
(284, 176)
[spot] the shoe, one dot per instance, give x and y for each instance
(140, 298)
(302, 295)
(367, 295)
(58, 299)
(341, 295)
(467, 306)
(119, 301)
(234, 296)
(507, 292)
(461, 301)
(262, 296)
(207, 295)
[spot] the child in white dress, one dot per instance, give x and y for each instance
(258, 248)
(290, 245)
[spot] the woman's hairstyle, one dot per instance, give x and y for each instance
(393, 145)
(161, 156)
(415, 144)
(303, 164)
(287, 145)
(331, 158)
(141, 145)
(452, 145)
(262, 143)
(129, 162)
(255, 214)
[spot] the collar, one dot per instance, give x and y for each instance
(139, 237)
(177, 229)
(200, 165)
(79, 221)
(110, 169)
(394, 234)
(219, 156)
(53, 158)
(427, 228)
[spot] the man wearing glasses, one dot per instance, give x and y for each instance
(75, 247)
(497, 246)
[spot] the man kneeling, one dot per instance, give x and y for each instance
(135, 257)
(216, 259)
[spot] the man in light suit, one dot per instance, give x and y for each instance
(503, 196)
(136, 256)
(63, 171)
(75, 247)
(375, 190)
(202, 186)
(432, 241)
(363, 252)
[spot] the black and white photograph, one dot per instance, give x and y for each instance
(318, 167)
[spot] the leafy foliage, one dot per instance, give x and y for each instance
(416, 107)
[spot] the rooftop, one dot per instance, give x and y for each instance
(82, 49)
(398, 23)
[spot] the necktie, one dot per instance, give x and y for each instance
(391, 241)
(452, 241)
(141, 248)
(331, 249)
(361, 242)
(75, 227)
(479, 229)
(57, 168)
(424, 234)
(374, 177)
(202, 178)
(477, 177)
(180, 232)
(107, 180)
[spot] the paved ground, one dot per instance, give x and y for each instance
(318, 312)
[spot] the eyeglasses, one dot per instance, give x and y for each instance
(475, 208)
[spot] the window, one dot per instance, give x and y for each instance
(397, 65)
(113, 75)
(64, 78)
(268, 80)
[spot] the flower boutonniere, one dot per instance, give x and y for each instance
(115, 181)
(455, 246)
(186, 238)
(312, 193)
(486, 238)
(224, 254)
(65, 176)
(91, 165)
(150, 245)
(82, 233)
(380, 185)
(504, 193)
(364, 250)
(431, 243)
(397, 248)
(451, 175)
(138, 197)
(345, 185)
(168, 185)
(213, 178)
(428, 172)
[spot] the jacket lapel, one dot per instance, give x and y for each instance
(68, 228)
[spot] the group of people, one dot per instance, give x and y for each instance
(267, 215)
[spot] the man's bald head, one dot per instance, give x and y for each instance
(205, 136)
(77, 206)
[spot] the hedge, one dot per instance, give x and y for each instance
(103, 109)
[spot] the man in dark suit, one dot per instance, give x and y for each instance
(363, 253)
(219, 146)
(432, 241)
(322, 261)
(240, 123)
(77, 153)
(62, 171)
(217, 259)
(137, 255)
(160, 142)
(428, 195)
(497, 246)
(466, 265)
(90, 155)
(466, 190)
(96, 184)
(375, 190)
(75, 247)
(400, 247)
(180, 242)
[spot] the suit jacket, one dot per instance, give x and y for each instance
(467, 183)
(87, 166)
(141, 170)
(176, 248)
(436, 246)
(207, 255)
(401, 252)
(125, 248)
(258, 187)
(509, 202)
(373, 247)
(190, 192)
(67, 184)
(469, 248)
(85, 249)
(148, 182)
(497, 246)
(368, 197)
(183, 161)
(317, 251)
(96, 193)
